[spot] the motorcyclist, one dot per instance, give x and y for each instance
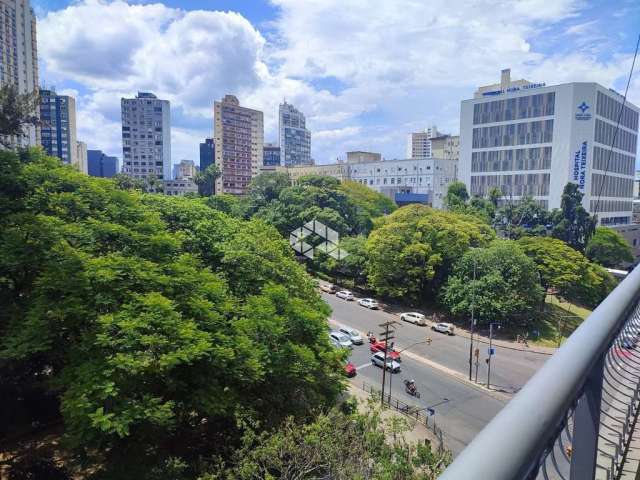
(411, 385)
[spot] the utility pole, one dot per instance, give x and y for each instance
(473, 303)
(385, 336)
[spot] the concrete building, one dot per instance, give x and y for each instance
(19, 56)
(146, 136)
(419, 143)
(271, 156)
(58, 126)
(423, 180)
(81, 157)
(186, 169)
(239, 139)
(363, 157)
(207, 154)
(335, 170)
(101, 165)
(295, 139)
(446, 146)
(180, 186)
(532, 139)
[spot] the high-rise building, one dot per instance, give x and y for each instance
(146, 136)
(19, 55)
(81, 157)
(271, 155)
(295, 139)
(185, 169)
(207, 153)
(445, 146)
(419, 143)
(58, 126)
(532, 139)
(239, 139)
(101, 165)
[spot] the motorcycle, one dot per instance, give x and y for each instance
(371, 337)
(410, 388)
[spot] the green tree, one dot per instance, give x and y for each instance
(412, 251)
(506, 283)
(369, 203)
(206, 180)
(17, 111)
(572, 223)
(523, 217)
(608, 248)
(457, 195)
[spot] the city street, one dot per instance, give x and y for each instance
(510, 369)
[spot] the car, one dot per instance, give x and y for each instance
(381, 346)
(443, 328)
(345, 295)
(353, 335)
(369, 303)
(350, 370)
(341, 339)
(413, 317)
(328, 287)
(377, 359)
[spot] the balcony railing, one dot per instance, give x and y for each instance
(574, 419)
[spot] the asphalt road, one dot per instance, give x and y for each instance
(461, 410)
(510, 369)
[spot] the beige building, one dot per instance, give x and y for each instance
(80, 159)
(239, 140)
(363, 157)
(419, 143)
(180, 186)
(335, 170)
(446, 147)
(186, 169)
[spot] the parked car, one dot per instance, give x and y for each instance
(377, 359)
(413, 317)
(369, 303)
(350, 370)
(341, 339)
(345, 295)
(381, 346)
(443, 328)
(328, 287)
(353, 335)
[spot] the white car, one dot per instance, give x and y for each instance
(345, 295)
(369, 303)
(341, 339)
(377, 359)
(443, 328)
(353, 335)
(413, 317)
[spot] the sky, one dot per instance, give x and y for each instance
(364, 72)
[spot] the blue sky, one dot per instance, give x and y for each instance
(365, 72)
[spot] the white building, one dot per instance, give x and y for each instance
(423, 180)
(532, 139)
(185, 169)
(180, 186)
(419, 143)
(295, 139)
(19, 54)
(81, 157)
(146, 136)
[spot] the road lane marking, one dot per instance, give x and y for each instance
(368, 364)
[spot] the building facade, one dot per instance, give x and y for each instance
(207, 153)
(531, 140)
(295, 139)
(58, 126)
(335, 170)
(363, 157)
(146, 136)
(446, 146)
(180, 187)
(81, 157)
(101, 165)
(424, 180)
(19, 55)
(186, 169)
(271, 155)
(239, 141)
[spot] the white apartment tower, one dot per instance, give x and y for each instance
(146, 136)
(532, 139)
(19, 53)
(419, 143)
(239, 141)
(295, 139)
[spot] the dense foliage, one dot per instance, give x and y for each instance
(412, 251)
(499, 281)
(608, 248)
(157, 323)
(573, 224)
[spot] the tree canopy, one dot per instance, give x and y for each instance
(572, 223)
(609, 248)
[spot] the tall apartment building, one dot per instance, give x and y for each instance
(239, 139)
(207, 153)
(146, 136)
(295, 139)
(58, 126)
(101, 165)
(419, 143)
(532, 139)
(271, 156)
(19, 54)
(81, 157)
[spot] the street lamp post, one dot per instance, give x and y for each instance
(490, 353)
(473, 321)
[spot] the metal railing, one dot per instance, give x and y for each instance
(575, 418)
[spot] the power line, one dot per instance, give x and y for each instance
(615, 132)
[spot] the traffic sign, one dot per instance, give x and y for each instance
(492, 351)
(431, 412)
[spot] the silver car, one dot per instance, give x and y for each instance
(377, 359)
(353, 335)
(413, 317)
(369, 303)
(341, 339)
(345, 295)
